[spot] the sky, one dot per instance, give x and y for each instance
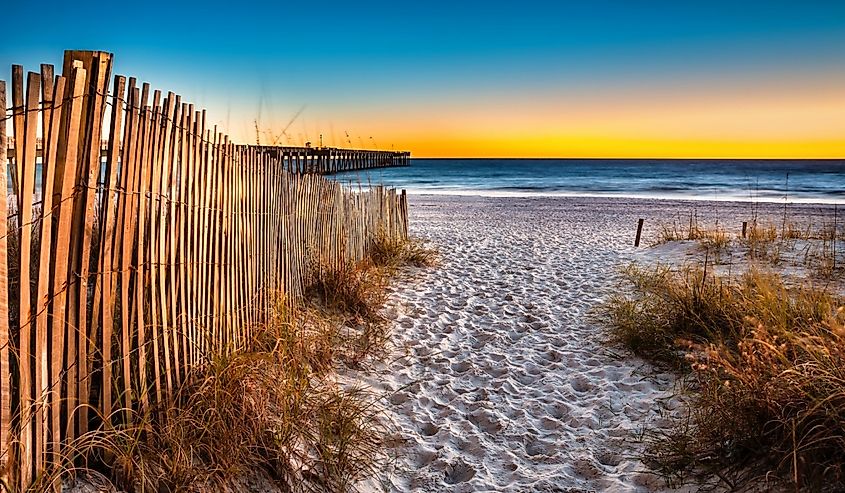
(479, 79)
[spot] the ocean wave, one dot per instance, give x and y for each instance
(795, 181)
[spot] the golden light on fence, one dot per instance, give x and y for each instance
(177, 262)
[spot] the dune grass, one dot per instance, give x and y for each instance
(817, 248)
(715, 240)
(390, 252)
(274, 408)
(765, 374)
(357, 289)
(349, 298)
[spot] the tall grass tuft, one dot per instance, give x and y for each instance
(818, 249)
(765, 367)
(388, 251)
(356, 288)
(272, 409)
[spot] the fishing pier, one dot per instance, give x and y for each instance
(299, 160)
(329, 160)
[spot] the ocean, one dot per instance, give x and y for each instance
(747, 180)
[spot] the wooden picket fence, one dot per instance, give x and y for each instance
(124, 267)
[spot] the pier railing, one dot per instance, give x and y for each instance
(124, 268)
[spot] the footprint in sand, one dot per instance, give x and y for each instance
(428, 429)
(459, 472)
(535, 447)
(485, 420)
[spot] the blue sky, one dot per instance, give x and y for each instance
(342, 59)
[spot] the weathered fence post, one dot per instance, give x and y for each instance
(639, 232)
(6, 438)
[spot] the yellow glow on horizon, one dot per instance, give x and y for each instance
(606, 147)
(778, 119)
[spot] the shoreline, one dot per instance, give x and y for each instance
(578, 195)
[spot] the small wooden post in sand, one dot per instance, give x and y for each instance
(639, 232)
(744, 228)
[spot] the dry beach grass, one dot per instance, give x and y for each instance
(765, 364)
(817, 246)
(274, 410)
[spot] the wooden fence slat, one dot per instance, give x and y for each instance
(42, 362)
(179, 260)
(27, 444)
(158, 255)
(222, 284)
(75, 198)
(190, 239)
(174, 197)
(49, 208)
(252, 268)
(18, 117)
(234, 280)
(63, 192)
(109, 216)
(98, 85)
(140, 250)
(151, 251)
(5, 346)
(205, 215)
(49, 388)
(210, 305)
(186, 240)
(217, 241)
(245, 221)
(125, 238)
(47, 90)
(216, 215)
(214, 232)
(237, 241)
(228, 278)
(195, 136)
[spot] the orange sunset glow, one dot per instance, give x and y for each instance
(768, 119)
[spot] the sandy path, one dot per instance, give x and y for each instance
(509, 387)
(505, 384)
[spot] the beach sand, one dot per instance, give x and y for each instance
(499, 379)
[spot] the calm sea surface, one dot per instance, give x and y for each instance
(808, 181)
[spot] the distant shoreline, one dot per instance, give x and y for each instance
(577, 195)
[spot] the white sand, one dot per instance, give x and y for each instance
(500, 381)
